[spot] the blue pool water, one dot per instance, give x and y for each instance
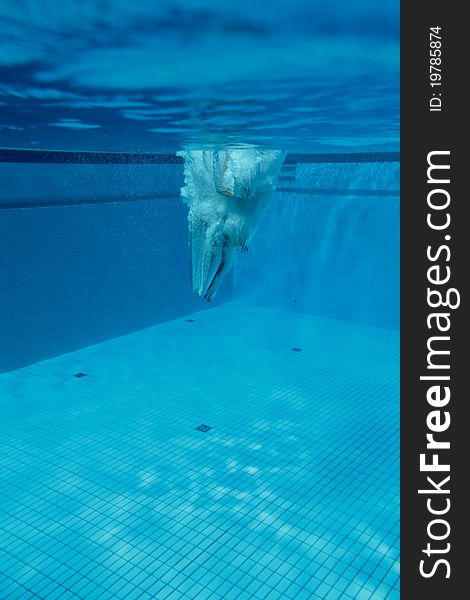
(109, 490)
(303, 76)
(107, 487)
(154, 446)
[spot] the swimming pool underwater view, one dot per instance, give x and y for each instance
(303, 76)
(245, 450)
(199, 307)
(110, 490)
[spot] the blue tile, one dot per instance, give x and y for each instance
(108, 489)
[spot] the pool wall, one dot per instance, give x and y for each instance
(91, 252)
(79, 263)
(329, 244)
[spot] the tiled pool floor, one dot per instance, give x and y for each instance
(110, 490)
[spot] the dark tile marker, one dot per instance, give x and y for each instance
(297, 349)
(203, 428)
(80, 375)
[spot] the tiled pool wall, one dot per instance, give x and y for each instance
(329, 244)
(89, 252)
